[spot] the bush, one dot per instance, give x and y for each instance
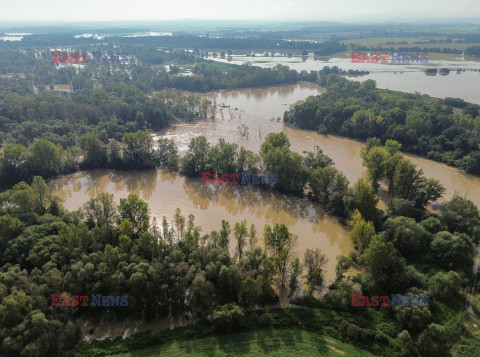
(445, 285)
(264, 320)
(431, 342)
(228, 318)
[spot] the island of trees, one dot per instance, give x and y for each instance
(443, 130)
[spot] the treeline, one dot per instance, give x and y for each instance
(177, 41)
(30, 60)
(209, 77)
(44, 158)
(325, 71)
(314, 175)
(359, 47)
(146, 71)
(423, 125)
(473, 51)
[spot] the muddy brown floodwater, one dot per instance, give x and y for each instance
(164, 192)
(259, 109)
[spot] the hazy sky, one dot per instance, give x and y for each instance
(92, 10)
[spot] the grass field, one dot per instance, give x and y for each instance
(224, 67)
(286, 342)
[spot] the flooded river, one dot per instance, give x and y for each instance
(344, 152)
(258, 109)
(402, 77)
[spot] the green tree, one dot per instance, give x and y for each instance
(461, 215)
(393, 147)
(136, 211)
(42, 193)
(223, 157)
(44, 159)
(376, 162)
(407, 345)
(445, 285)
(362, 231)
(366, 201)
(288, 165)
(101, 211)
(343, 264)
(406, 180)
(224, 235)
(279, 245)
(314, 261)
(10, 227)
(274, 141)
(179, 222)
(197, 157)
(384, 264)
(138, 150)
(326, 181)
(432, 341)
(413, 318)
(407, 236)
(12, 160)
(295, 270)
(94, 151)
(167, 155)
(228, 318)
(240, 232)
(21, 198)
(114, 151)
(201, 295)
(252, 237)
(453, 251)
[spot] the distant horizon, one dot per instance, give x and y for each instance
(247, 10)
(225, 23)
(359, 21)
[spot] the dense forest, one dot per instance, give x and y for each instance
(443, 130)
(50, 134)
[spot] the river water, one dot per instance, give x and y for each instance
(402, 77)
(258, 109)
